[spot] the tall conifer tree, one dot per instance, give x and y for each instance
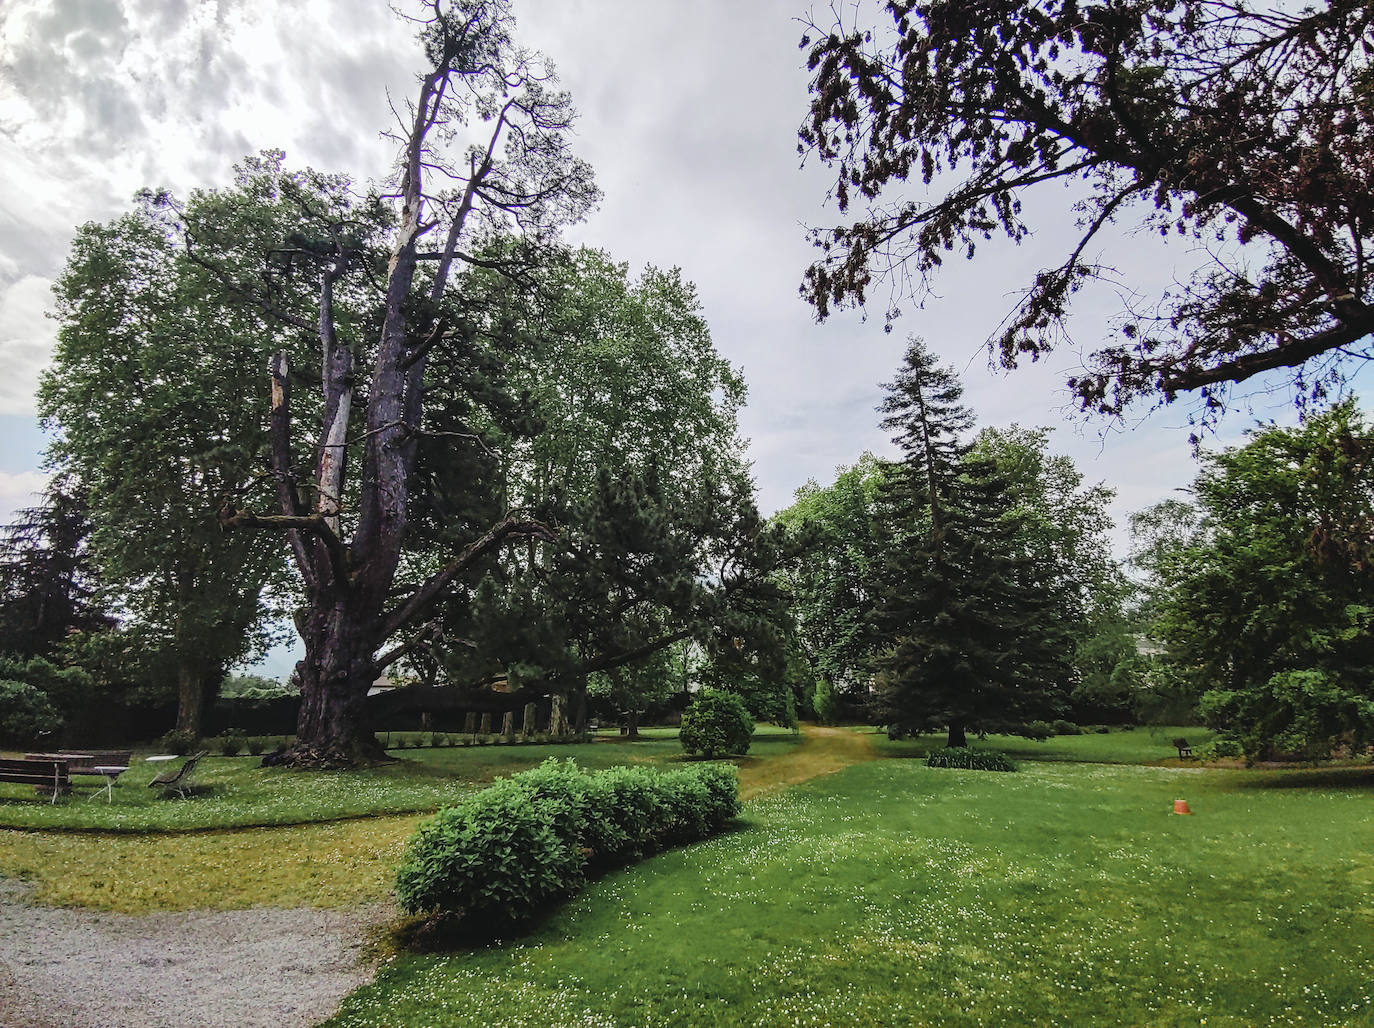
(971, 645)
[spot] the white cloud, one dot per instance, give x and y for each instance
(26, 338)
(688, 118)
(19, 491)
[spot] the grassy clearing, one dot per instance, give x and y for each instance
(235, 792)
(199, 864)
(1146, 745)
(327, 865)
(891, 893)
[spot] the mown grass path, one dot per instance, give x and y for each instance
(823, 751)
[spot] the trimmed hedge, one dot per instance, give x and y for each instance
(503, 853)
(969, 759)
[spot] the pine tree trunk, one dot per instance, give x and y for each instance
(957, 738)
(633, 717)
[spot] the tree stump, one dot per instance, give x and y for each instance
(558, 718)
(486, 724)
(508, 725)
(528, 729)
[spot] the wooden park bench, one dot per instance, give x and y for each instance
(178, 781)
(85, 762)
(1184, 750)
(49, 776)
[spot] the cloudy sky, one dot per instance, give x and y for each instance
(689, 116)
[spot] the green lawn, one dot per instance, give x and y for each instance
(1145, 745)
(893, 894)
(235, 792)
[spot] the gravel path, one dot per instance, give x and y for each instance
(236, 969)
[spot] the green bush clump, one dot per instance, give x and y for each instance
(1221, 748)
(26, 713)
(1065, 728)
(716, 724)
(1037, 731)
(503, 853)
(180, 743)
(255, 746)
(968, 759)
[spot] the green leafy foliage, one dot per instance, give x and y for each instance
(830, 586)
(505, 852)
(716, 724)
(495, 855)
(824, 702)
(66, 688)
(1261, 591)
(966, 758)
(26, 714)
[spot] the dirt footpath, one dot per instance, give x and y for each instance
(235, 969)
(823, 751)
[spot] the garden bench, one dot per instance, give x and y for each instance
(1184, 750)
(85, 762)
(46, 775)
(178, 781)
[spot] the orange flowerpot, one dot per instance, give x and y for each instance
(1181, 807)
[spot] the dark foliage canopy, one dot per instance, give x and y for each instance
(974, 643)
(1247, 130)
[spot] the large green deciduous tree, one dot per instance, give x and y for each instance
(1266, 602)
(966, 608)
(152, 407)
(639, 467)
(831, 586)
(1248, 129)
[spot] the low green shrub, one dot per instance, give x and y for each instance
(968, 759)
(180, 743)
(503, 853)
(1222, 748)
(255, 746)
(230, 744)
(1101, 729)
(716, 724)
(1062, 727)
(26, 714)
(496, 855)
(1037, 731)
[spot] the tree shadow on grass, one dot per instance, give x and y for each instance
(1351, 778)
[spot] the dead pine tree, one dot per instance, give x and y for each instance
(348, 519)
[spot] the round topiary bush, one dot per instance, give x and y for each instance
(716, 724)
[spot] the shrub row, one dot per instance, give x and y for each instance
(503, 853)
(969, 759)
